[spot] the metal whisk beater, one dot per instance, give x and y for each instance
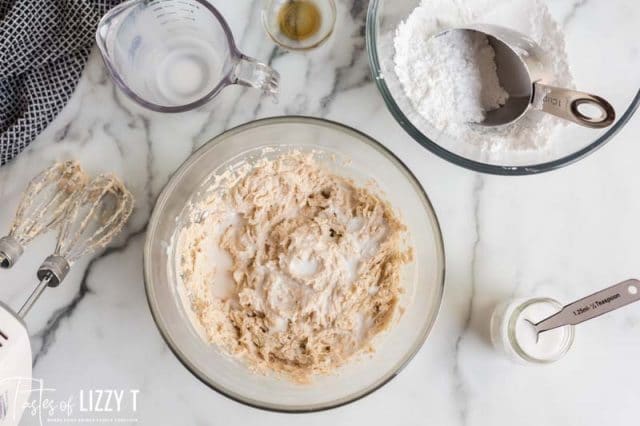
(93, 218)
(42, 207)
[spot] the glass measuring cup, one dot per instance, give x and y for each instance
(175, 55)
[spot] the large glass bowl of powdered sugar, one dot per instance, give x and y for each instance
(437, 87)
(294, 264)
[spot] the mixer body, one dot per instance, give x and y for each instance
(15, 367)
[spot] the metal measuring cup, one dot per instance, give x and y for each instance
(175, 55)
(523, 72)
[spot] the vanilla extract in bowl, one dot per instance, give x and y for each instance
(299, 19)
(299, 24)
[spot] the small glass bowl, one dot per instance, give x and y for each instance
(270, 15)
(504, 337)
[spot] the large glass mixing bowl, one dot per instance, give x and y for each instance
(422, 280)
(604, 54)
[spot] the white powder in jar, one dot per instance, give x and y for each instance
(451, 81)
(513, 334)
(547, 346)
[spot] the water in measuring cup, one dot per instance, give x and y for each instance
(186, 69)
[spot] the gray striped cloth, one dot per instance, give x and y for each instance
(44, 45)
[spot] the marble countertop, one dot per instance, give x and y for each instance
(561, 234)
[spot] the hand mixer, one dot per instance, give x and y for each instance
(90, 221)
(43, 204)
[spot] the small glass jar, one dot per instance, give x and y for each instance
(512, 331)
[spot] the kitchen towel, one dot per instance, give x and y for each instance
(44, 45)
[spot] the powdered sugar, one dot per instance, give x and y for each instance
(451, 79)
(462, 73)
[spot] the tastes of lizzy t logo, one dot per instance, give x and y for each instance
(45, 405)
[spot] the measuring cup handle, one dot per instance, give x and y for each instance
(249, 72)
(565, 103)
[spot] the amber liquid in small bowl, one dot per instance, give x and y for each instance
(299, 24)
(299, 19)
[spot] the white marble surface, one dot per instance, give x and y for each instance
(559, 234)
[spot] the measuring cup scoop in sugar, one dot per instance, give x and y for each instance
(523, 72)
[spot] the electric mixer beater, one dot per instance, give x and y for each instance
(43, 205)
(94, 218)
(91, 219)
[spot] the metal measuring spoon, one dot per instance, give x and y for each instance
(522, 71)
(592, 306)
